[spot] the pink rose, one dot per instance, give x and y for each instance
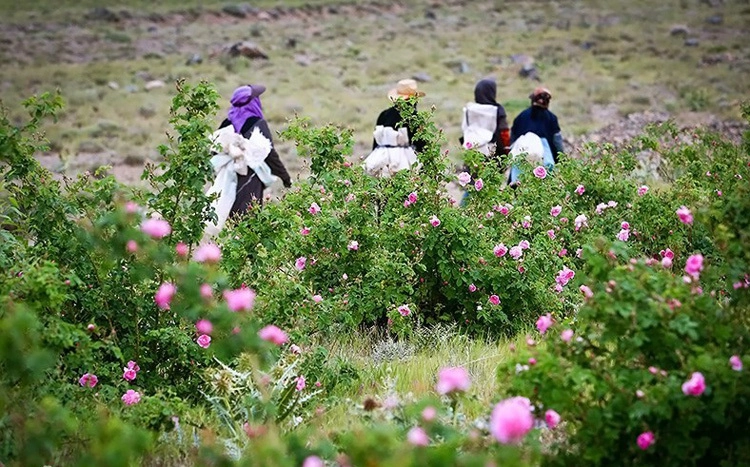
(434, 221)
(694, 265)
(204, 340)
(129, 374)
(404, 310)
(304, 231)
(566, 335)
(131, 207)
(412, 197)
(429, 413)
(580, 189)
(623, 235)
(511, 420)
(472, 288)
(313, 209)
(586, 290)
(540, 172)
(317, 298)
(667, 253)
(526, 223)
(543, 323)
(206, 291)
(645, 440)
(131, 397)
(505, 209)
(300, 382)
(581, 221)
(642, 190)
(313, 461)
(564, 276)
(295, 349)
(156, 228)
(555, 211)
(133, 366)
(551, 234)
(500, 250)
(417, 437)
(242, 299)
(163, 296)
(552, 418)
(735, 362)
(204, 326)
(695, 385)
(131, 246)
(273, 334)
(524, 244)
(353, 245)
(686, 217)
(516, 252)
(300, 263)
(464, 178)
(494, 299)
(208, 253)
(88, 380)
(625, 226)
(181, 249)
(478, 184)
(452, 379)
(666, 262)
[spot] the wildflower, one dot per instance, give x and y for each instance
(156, 228)
(204, 340)
(464, 178)
(686, 217)
(735, 362)
(131, 397)
(478, 184)
(555, 211)
(695, 385)
(417, 437)
(566, 335)
(511, 420)
(580, 189)
(543, 323)
(88, 380)
(494, 299)
(300, 263)
(434, 221)
(273, 334)
(642, 190)
(452, 379)
(353, 245)
(500, 250)
(694, 265)
(242, 299)
(540, 172)
(208, 253)
(181, 249)
(204, 326)
(300, 383)
(164, 295)
(313, 209)
(645, 440)
(552, 418)
(404, 310)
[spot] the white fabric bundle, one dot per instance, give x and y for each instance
(393, 152)
(478, 126)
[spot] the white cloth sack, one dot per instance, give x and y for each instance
(478, 126)
(392, 154)
(529, 146)
(236, 154)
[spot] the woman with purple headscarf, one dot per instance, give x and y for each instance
(245, 115)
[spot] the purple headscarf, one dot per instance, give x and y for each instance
(244, 105)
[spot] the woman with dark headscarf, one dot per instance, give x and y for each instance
(485, 124)
(245, 115)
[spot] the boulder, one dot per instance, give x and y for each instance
(102, 14)
(154, 84)
(247, 49)
(194, 59)
(679, 30)
(239, 11)
(422, 77)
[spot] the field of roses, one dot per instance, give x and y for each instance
(127, 338)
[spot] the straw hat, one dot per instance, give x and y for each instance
(404, 89)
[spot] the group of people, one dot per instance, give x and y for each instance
(247, 161)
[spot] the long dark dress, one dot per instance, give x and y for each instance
(249, 187)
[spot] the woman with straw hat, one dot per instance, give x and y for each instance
(394, 147)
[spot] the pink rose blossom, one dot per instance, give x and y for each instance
(580, 189)
(532, 361)
(204, 326)
(524, 244)
(417, 437)
(581, 221)
(526, 223)
(273, 334)
(551, 234)
(586, 290)
(695, 385)
(562, 252)
(131, 397)
(552, 418)
(511, 420)
(204, 340)
(564, 276)
(313, 209)
(494, 299)
(645, 440)
(735, 363)
(91, 326)
(313, 461)
(464, 178)
(406, 203)
(653, 370)
(404, 310)
(208, 253)
(129, 374)
(131, 207)
(666, 262)
(505, 209)
(317, 298)
(300, 263)
(472, 288)
(452, 379)
(434, 221)
(642, 190)
(429, 413)
(516, 252)
(540, 172)
(300, 382)
(304, 231)
(667, 253)
(555, 211)
(88, 380)
(686, 217)
(133, 366)
(163, 296)
(206, 291)
(295, 349)
(131, 246)
(412, 197)
(566, 335)
(579, 253)
(694, 265)
(156, 228)
(625, 226)
(623, 235)
(478, 184)
(242, 299)
(353, 245)
(640, 394)
(543, 323)
(500, 250)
